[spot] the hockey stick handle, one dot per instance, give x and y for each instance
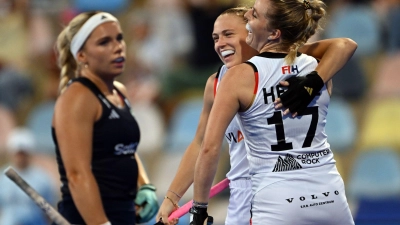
(39, 200)
(222, 185)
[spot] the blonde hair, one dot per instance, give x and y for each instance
(297, 20)
(66, 61)
(238, 11)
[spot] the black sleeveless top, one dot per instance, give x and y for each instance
(116, 136)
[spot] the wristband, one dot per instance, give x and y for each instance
(200, 204)
(106, 223)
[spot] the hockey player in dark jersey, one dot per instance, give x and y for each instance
(96, 136)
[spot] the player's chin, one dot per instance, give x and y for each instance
(251, 42)
(231, 60)
(116, 72)
(249, 39)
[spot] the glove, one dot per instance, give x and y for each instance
(147, 199)
(199, 215)
(301, 91)
(210, 221)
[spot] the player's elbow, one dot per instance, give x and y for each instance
(75, 177)
(209, 150)
(350, 44)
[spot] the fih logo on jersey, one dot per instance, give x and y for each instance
(292, 69)
(113, 115)
(286, 164)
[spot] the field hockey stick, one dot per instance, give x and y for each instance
(39, 200)
(217, 188)
(222, 185)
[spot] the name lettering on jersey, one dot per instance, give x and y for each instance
(231, 137)
(292, 69)
(122, 149)
(314, 197)
(272, 93)
(312, 158)
(290, 162)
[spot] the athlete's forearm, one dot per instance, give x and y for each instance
(185, 174)
(333, 54)
(205, 170)
(336, 56)
(142, 176)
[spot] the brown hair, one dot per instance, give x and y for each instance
(66, 61)
(297, 20)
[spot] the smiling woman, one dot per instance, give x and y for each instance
(228, 36)
(94, 132)
(292, 172)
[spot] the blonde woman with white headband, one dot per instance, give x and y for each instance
(95, 135)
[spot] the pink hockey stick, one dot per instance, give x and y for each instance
(222, 185)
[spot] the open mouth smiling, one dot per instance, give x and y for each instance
(227, 53)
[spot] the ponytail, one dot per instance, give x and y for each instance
(66, 61)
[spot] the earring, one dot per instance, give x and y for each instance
(82, 64)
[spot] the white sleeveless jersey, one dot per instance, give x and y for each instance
(279, 143)
(234, 136)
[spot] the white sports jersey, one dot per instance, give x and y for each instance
(294, 177)
(279, 143)
(234, 136)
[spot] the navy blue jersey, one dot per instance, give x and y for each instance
(116, 136)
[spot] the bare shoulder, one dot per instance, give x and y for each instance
(76, 97)
(209, 90)
(121, 87)
(241, 71)
(212, 77)
(211, 81)
(239, 82)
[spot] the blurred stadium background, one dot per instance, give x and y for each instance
(170, 56)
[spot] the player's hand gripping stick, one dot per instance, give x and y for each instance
(217, 188)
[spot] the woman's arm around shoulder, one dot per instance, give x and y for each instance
(334, 53)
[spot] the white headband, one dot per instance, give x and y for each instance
(87, 28)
